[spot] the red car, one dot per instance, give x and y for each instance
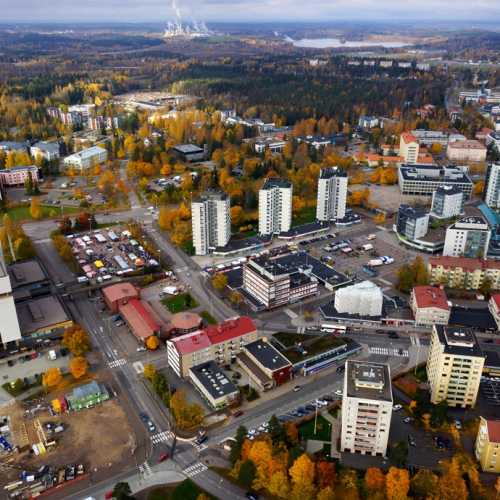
(163, 457)
(237, 413)
(108, 495)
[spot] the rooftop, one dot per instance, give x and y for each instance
(368, 380)
(267, 355)
(275, 182)
(185, 320)
(407, 137)
(140, 318)
(463, 262)
(26, 273)
(413, 212)
(434, 173)
(493, 430)
(430, 296)
(211, 195)
(470, 144)
(39, 314)
(448, 190)
(458, 341)
(467, 222)
(213, 379)
(329, 172)
(120, 291)
(188, 148)
(87, 153)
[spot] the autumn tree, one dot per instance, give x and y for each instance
(397, 484)
(326, 494)
(302, 474)
(219, 281)
(292, 433)
(51, 378)
(375, 482)
(78, 366)
(279, 485)
(451, 484)
(35, 208)
(325, 472)
(241, 434)
(423, 484)
(187, 415)
(261, 454)
(149, 371)
(152, 342)
(236, 298)
(76, 340)
(237, 215)
(247, 473)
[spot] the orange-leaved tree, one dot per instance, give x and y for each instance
(76, 340)
(152, 342)
(397, 484)
(51, 377)
(302, 473)
(78, 366)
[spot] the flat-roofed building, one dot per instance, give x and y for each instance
(364, 299)
(189, 152)
(119, 293)
(409, 148)
(47, 150)
(9, 325)
(447, 202)
(494, 307)
(213, 385)
(332, 194)
(86, 158)
(468, 237)
(487, 448)
(17, 176)
(469, 150)
(366, 408)
(412, 222)
(454, 366)
(275, 206)
(430, 305)
(28, 280)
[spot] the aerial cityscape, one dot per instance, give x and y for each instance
(250, 250)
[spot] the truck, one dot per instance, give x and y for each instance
(375, 263)
(169, 290)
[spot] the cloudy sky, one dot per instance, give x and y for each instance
(247, 10)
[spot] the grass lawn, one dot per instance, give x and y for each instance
(323, 429)
(208, 318)
(186, 490)
(316, 346)
(179, 303)
(23, 212)
(290, 339)
(306, 215)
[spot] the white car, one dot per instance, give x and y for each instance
(338, 392)
(320, 402)
(396, 407)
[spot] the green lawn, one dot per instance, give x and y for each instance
(23, 212)
(306, 215)
(186, 490)
(323, 429)
(290, 339)
(208, 318)
(179, 303)
(316, 346)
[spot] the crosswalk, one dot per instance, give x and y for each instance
(145, 469)
(138, 367)
(117, 362)
(162, 437)
(200, 447)
(385, 351)
(415, 340)
(194, 469)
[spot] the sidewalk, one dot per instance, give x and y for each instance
(336, 428)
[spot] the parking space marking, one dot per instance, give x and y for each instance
(117, 362)
(195, 469)
(162, 437)
(384, 351)
(138, 367)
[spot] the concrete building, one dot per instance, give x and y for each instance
(468, 237)
(17, 176)
(189, 152)
(494, 307)
(211, 221)
(366, 408)
(487, 448)
(264, 364)
(332, 194)
(430, 137)
(363, 299)
(466, 151)
(213, 385)
(412, 223)
(493, 139)
(430, 305)
(463, 273)
(275, 206)
(47, 150)
(9, 326)
(447, 202)
(220, 343)
(86, 158)
(409, 148)
(492, 186)
(28, 279)
(454, 366)
(423, 180)
(272, 144)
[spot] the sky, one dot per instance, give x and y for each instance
(247, 10)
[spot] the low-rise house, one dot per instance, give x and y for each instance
(87, 396)
(430, 305)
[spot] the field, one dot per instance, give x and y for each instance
(179, 303)
(22, 213)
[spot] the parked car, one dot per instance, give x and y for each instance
(411, 440)
(151, 426)
(338, 392)
(237, 413)
(163, 457)
(458, 424)
(143, 416)
(251, 495)
(407, 420)
(396, 407)
(296, 388)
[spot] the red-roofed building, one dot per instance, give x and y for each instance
(220, 343)
(409, 148)
(430, 306)
(119, 293)
(494, 307)
(487, 447)
(140, 318)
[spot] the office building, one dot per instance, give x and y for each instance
(492, 186)
(430, 305)
(332, 194)
(487, 448)
(466, 151)
(366, 408)
(273, 144)
(412, 223)
(494, 307)
(423, 180)
(211, 221)
(275, 206)
(220, 343)
(86, 158)
(468, 237)
(463, 273)
(189, 152)
(454, 366)
(9, 326)
(430, 137)
(409, 148)
(363, 299)
(447, 202)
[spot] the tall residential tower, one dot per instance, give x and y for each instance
(275, 206)
(332, 194)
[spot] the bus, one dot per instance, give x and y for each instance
(333, 328)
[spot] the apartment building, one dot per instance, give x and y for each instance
(211, 221)
(275, 206)
(494, 307)
(466, 151)
(10, 330)
(487, 448)
(47, 150)
(412, 223)
(447, 202)
(409, 148)
(423, 180)
(454, 366)
(17, 176)
(272, 144)
(430, 137)
(430, 305)
(220, 343)
(463, 273)
(86, 158)
(468, 237)
(492, 186)
(332, 194)
(366, 408)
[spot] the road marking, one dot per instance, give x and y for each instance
(145, 469)
(138, 367)
(384, 351)
(162, 437)
(194, 469)
(290, 313)
(301, 329)
(117, 362)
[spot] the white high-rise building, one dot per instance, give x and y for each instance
(211, 221)
(363, 298)
(366, 408)
(332, 194)
(468, 237)
(275, 206)
(447, 202)
(9, 326)
(409, 148)
(492, 190)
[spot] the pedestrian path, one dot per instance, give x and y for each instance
(117, 362)
(290, 313)
(162, 437)
(385, 351)
(145, 469)
(194, 469)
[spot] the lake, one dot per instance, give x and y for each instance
(325, 43)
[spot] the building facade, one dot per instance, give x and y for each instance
(430, 305)
(492, 186)
(487, 448)
(409, 148)
(364, 299)
(494, 307)
(447, 202)
(468, 237)
(332, 194)
(211, 221)
(275, 206)
(466, 151)
(47, 150)
(10, 330)
(412, 223)
(86, 158)
(454, 366)
(366, 408)
(17, 176)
